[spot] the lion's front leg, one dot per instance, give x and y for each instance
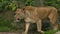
(27, 27)
(39, 25)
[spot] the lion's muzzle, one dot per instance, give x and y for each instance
(17, 20)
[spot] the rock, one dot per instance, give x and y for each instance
(57, 32)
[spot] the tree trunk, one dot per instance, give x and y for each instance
(41, 2)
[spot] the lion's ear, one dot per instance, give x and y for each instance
(23, 8)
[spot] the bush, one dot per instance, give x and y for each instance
(6, 5)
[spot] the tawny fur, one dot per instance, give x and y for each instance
(36, 14)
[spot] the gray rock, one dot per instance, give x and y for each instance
(57, 32)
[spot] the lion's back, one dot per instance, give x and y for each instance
(41, 12)
(44, 12)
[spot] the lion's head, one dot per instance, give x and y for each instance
(19, 14)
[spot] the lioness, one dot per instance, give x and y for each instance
(36, 14)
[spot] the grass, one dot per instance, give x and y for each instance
(50, 32)
(4, 28)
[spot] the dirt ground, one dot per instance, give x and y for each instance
(9, 33)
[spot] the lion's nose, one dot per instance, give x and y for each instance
(18, 19)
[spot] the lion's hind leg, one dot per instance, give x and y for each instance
(54, 22)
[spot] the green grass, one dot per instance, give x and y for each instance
(50, 32)
(4, 28)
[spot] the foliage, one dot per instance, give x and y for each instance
(54, 3)
(12, 4)
(28, 2)
(7, 4)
